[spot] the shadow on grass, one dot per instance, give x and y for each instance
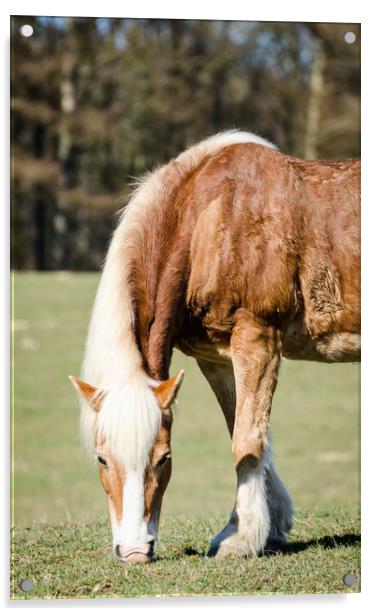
(328, 542)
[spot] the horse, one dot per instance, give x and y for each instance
(238, 255)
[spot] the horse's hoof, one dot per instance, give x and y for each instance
(232, 549)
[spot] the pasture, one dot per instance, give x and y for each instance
(61, 537)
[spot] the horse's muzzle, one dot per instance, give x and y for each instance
(139, 554)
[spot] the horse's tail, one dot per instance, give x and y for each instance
(112, 358)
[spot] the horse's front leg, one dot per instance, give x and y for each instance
(255, 350)
(221, 379)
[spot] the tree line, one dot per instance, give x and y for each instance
(98, 101)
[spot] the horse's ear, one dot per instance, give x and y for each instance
(88, 392)
(167, 391)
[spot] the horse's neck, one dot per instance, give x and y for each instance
(161, 318)
(157, 343)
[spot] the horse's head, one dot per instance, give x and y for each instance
(134, 483)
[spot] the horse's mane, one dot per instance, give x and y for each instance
(130, 416)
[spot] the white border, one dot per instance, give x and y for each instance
(270, 10)
(289, 10)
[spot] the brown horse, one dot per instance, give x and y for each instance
(237, 255)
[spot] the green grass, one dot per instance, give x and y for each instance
(56, 491)
(70, 560)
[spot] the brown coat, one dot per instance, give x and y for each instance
(252, 229)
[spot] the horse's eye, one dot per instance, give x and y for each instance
(102, 461)
(163, 459)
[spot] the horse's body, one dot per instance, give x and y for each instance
(279, 238)
(237, 255)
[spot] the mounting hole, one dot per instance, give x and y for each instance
(349, 579)
(26, 585)
(27, 30)
(350, 37)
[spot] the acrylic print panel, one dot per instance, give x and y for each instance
(238, 253)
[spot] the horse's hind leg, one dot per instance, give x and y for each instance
(279, 503)
(221, 379)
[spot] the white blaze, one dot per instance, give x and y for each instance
(133, 526)
(132, 530)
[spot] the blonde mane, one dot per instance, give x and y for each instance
(130, 416)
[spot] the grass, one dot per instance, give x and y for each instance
(57, 496)
(323, 548)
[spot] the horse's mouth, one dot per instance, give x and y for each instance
(135, 555)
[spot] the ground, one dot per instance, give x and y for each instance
(59, 507)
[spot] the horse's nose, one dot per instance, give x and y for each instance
(138, 554)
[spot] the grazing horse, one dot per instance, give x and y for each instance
(237, 255)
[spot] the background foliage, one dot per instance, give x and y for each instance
(96, 101)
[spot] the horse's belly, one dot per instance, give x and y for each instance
(204, 350)
(336, 347)
(341, 346)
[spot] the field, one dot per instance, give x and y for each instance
(61, 538)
